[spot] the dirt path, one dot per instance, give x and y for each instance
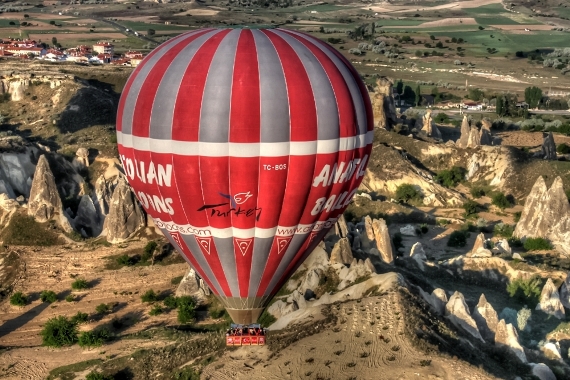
(368, 340)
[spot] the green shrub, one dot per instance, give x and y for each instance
(58, 332)
(18, 299)
(103, 308)
(79, 284)
(517, 216)
(266, 319)
(176, 280)
(186, 312)
(477, 192)
(515, 242)
(94, 338)
(537, 244)
(156, 310)
(457, 239)
(503, 230)
(48, 296)
(148, 250)
(452, 177)
(563, 148)
(471, 207)
(124, 260)
(94, 375)
(441, 118)
(171, 302)
(187, 373)
(70, 298)
(424, 228)
(406, 193)
(500, 200)
(525, 291)
(149, 296)
(79, 318)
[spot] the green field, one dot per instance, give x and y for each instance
(491, 9)
(495, 20)
(143, 26)
(405, 22)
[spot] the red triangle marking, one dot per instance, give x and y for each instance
(176, 237)
(204, 243)
(312, 236)
(243, 245)
(282, 243)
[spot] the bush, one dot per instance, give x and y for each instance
(103, 308)
(59, 332)
(19, 299)
(457, 239)
(470, 207)
(94, 338)
(156, 310)
(94, 375)
(525, 291)
(406, 193)
(517, 215)
(148, 250)
(509, 315)
(424, 228)
(477, 192)
(216, 313)
(149, 296)
(176, 280)
(537, 244)
(79, 284)
(186, 310)
(124, 260)
(70, 298)
(48, 296)
(171, 302)
(452, 177)
(503, 230)
(500, 200)
(79, 318)
(563, 148)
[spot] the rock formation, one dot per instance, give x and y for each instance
(458, 313)
(550, 301)
(383, 241)
(474, 139)
(125, 215)
(564, 292)
(542, 371)
(437, 300)
(45, 203)
(506, 336)
(87, 221)
(357, 269)
(485, 137)
(546, 214)
(408, 230)
(503, 247)
(465, 132)
(552, 350)
(479, 242)
(16, 167)
(104, 193)
(383, 104)
(418, 254)
(193, 285)
(491, 164)
(280, 308)
(428, 126)
(340, 227)
(81, 159)
(486, 318)
(341, 252)
(548, 151)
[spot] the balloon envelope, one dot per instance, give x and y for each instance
(245, 146)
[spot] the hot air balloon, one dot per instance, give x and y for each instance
(245, 146)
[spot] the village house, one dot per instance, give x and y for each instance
(104, 48)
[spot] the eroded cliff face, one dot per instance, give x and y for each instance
(490, 164)
(383, 104)
(17, 166)
(546, 214)
(125, 215)
(16, 84)
(396, 170)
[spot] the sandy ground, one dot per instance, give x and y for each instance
(52, 269)
(368, 342)
(78, 36)
(530, 139)
(139, 19)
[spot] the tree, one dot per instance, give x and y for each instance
(54, 41)
(151, 32)
(500, 200)
(432, 37)
(533, 96)
(409, 94)
(58, 332)
(400, 87)
(406, 192)
(439, 45)
(499, 106)
(52, 22)
(418, 95)
(26, 15)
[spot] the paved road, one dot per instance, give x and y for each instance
(123, 29)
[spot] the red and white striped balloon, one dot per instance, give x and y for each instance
(245, 146)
